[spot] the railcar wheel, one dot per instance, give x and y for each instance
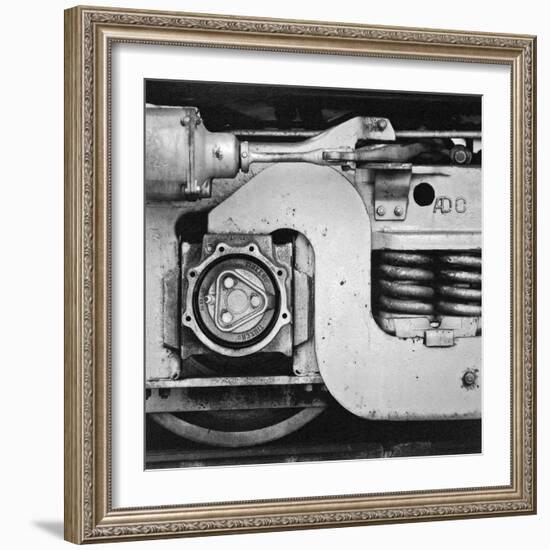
(258, 426)
(235, 428)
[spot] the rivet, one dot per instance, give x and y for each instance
(398, 211)
(381, 211)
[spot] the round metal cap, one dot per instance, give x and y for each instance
(236, 301)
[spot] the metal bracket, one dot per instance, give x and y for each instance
(445, 335)
(170, 317)
(439, 338)
(230, 393)
(391, 190)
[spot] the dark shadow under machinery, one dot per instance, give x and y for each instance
(313, 273)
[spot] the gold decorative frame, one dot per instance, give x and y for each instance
(89, 35)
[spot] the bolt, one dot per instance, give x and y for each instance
(198, 121)
(308, 388)
(469, 378)
(244, 154)
(460, 157)
(255, 300)
(382, 124)
(228, 282)
(185, 121)
(208, 249)
(227, 317)
(381, 211)
(398, 211)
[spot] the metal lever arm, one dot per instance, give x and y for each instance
(182, 156)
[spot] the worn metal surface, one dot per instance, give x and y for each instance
(452, 220)
(316, 149)
(417, 326)
(371, 373)
(304, 358)
(272, 279)
(170, 304)
(391, 191)
(161, 321)
(233, 397)
(212, 381)
(182, 156)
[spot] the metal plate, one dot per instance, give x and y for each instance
(371, 373)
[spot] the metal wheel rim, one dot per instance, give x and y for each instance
(247, 438)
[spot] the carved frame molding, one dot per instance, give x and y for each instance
(89, 36)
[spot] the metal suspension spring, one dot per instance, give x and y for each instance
(459, 284)
(404, 282)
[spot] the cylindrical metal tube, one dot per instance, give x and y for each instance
(412, 134)
(166, 154)
(312, 157)
(182, 156)
(303, 134)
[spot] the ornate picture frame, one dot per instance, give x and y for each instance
(90, 34)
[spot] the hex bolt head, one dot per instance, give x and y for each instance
(469, 378)
(398, 210)
(255, 301)
(381, 211)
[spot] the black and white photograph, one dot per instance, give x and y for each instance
(312, 274)
(300, 275)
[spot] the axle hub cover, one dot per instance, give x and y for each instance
(236, 298)
(236, 301)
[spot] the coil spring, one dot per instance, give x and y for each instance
(405, 282)
(459, 292)
(428, 283)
